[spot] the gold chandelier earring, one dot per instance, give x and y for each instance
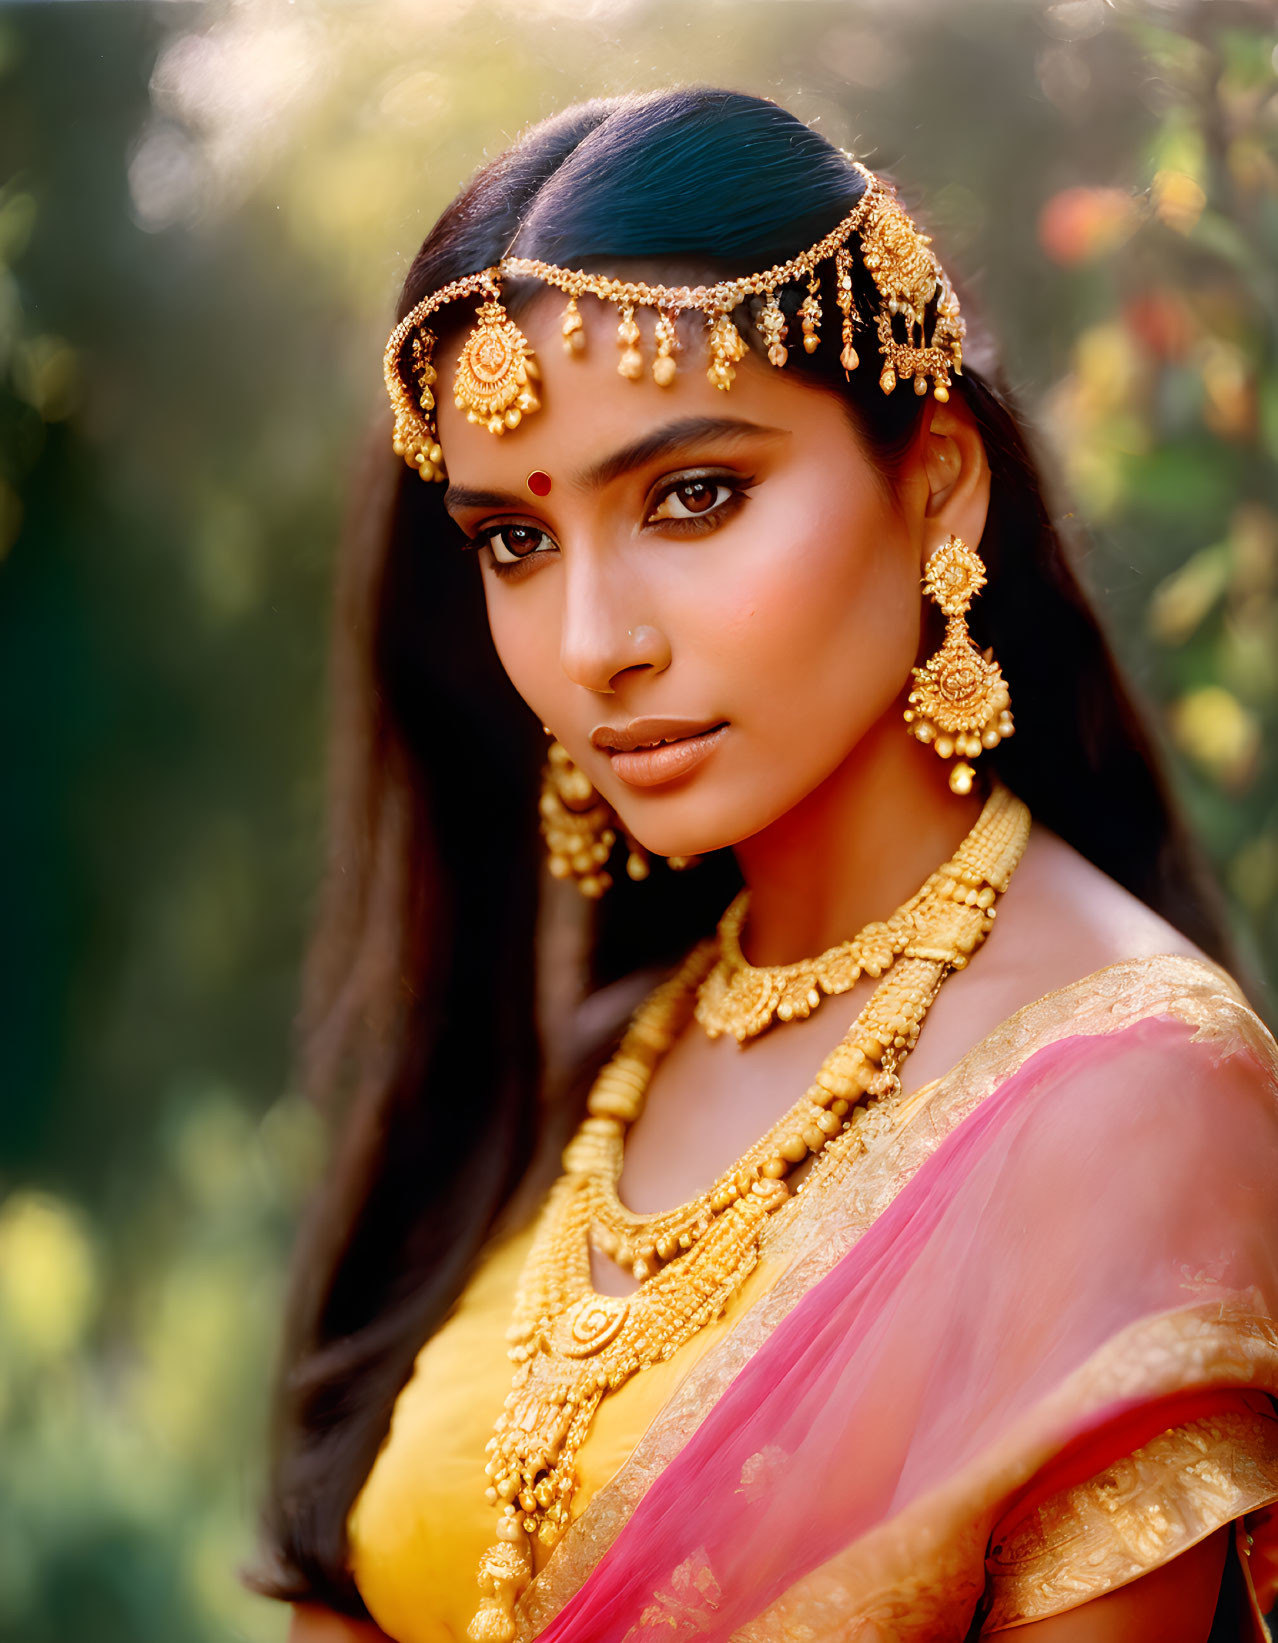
(580, 828)
(960, 702)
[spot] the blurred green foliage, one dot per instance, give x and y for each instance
(205, 210)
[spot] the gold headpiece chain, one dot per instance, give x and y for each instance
(496, 375)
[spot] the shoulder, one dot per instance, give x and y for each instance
(1062, 918)
(1061, 924)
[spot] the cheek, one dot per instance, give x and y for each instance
(820, 603)
(526, 640)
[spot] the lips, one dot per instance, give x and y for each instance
(646, 733)
(646, 752)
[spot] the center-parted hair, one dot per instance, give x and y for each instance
(418, 1028)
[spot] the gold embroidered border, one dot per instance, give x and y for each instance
(819, 1227)
(917, 1577)
(1140, 1512)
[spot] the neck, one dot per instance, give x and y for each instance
(854, 849)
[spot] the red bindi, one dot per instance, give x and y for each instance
(539, 483)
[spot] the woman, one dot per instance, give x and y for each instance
(975, 1333)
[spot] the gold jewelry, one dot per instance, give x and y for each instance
(952, 912)
(960, 701)
(496, 373)
(495, 370)
(908, 278)
(571, 1345)
(576, 824)
(580, 828)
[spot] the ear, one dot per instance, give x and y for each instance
(954, 475)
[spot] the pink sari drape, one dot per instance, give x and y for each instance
(1054, 1241)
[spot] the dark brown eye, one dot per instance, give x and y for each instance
(697, 495)
(692, 497)
(521, 539)
(512, 542)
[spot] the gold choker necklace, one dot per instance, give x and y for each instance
(571, 1345)
(954, 909)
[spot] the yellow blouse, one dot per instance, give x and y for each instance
(421, 1523)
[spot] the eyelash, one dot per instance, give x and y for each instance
(694, 525)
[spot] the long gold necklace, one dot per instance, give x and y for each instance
(569, 1344)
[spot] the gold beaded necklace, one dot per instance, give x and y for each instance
(569, 1344)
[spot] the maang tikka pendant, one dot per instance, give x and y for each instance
(495, 370)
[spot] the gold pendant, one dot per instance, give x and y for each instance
(957, 689)
(495, 370)
(569, 1361)
(742, 1001)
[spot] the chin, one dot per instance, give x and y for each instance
(669, 838)
(710, 809)
(691, 837)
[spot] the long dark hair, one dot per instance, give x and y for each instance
(419, 1025)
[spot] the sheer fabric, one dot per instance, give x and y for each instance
(1073, 1231)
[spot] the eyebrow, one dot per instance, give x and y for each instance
(649, 447)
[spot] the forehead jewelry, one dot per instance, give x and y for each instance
(496, 376)
(538, 482)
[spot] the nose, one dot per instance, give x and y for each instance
(605, 634)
